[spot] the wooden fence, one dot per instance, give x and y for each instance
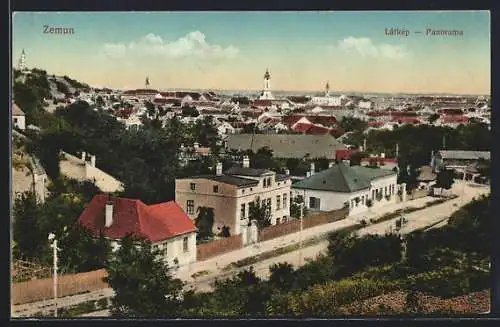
(212, 249)
(70, 284)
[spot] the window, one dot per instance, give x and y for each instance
(242, 211)
(192, 186)
(250, 205)
(314, 203)
(264, 182)
(190, 207)
(373, 194)
(268, 181)
(285, 199)
(216, 188)
(283, 220)
(363, 199)
(385, 190)
(278, 202)
(243, 191)
(277, 221)
(15, 120)
(185, 244)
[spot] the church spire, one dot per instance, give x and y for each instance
(147, 82)
(327, 89)
(22, 61)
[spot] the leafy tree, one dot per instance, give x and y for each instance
(25, 217)
(142, 282)
(82, 251)
(282, 276)
(190, 112)
(349, 124)
(263, 159)
(444, 179)
(205, 222)
(355, 158)
(432, 118)
(99, 101)
(260, 212)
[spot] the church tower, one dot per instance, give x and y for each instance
(266, 93)
(327, 89)
(22, 62)
(147, 82)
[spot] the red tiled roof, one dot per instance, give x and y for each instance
(451, 111)
(379, 159)
(315, 129)
(343, 154)
(407, 120)
(130, 216)
(454, 119)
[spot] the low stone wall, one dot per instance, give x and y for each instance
(71, 284)
(212, 249)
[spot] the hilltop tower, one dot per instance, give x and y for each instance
(147, 82)
(22, 62)
(266, 92)
(327, 89)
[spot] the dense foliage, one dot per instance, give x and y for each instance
(142, 282)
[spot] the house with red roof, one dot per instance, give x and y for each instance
(165, 225)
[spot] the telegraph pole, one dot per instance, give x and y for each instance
(301, 228)
(52, 238)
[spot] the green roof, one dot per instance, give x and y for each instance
(342, 178)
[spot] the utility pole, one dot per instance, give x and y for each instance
(52, 238)
(301, 228)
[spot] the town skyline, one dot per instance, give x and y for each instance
(192, 50)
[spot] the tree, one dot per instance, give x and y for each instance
(190, 111)
(142, 282)
(260, 212)
(444, 179)
(282, 276)
(99, 101)
(432, 118)
(25, 217)
(263, 159)
(349, 124)
(205, 222)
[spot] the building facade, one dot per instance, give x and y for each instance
(232, 193)
(356, 187)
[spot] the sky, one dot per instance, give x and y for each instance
(232, 50)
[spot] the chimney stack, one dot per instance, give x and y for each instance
(313, 168)
(382, 155)
(84, 156)
(218, 169)
(246, 162)
(92, 160)
(109, 213)
(330, 164)
(308, 174)
(287, 172)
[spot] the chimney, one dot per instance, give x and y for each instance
(246, 162)
(109, 213)
(347, 162)
(287, 172)
(196, 145)
(218, 169)
(84, 156)
(382, 155)
(330, 164)
(92, 160)
(308, 174)
(313, 168)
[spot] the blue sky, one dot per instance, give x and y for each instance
(231, 50)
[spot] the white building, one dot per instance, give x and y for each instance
(18, 117)
(225, 128)
(232, 193)
(365, 105)
(164, 224)
(355, 187)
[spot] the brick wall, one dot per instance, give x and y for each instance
(293, 226)
(212, 249)
(71, 284)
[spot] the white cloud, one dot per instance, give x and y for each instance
(366, 48)
(192, 44)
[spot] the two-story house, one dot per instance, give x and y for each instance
(232, 193)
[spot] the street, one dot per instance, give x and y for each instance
(214, 266)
